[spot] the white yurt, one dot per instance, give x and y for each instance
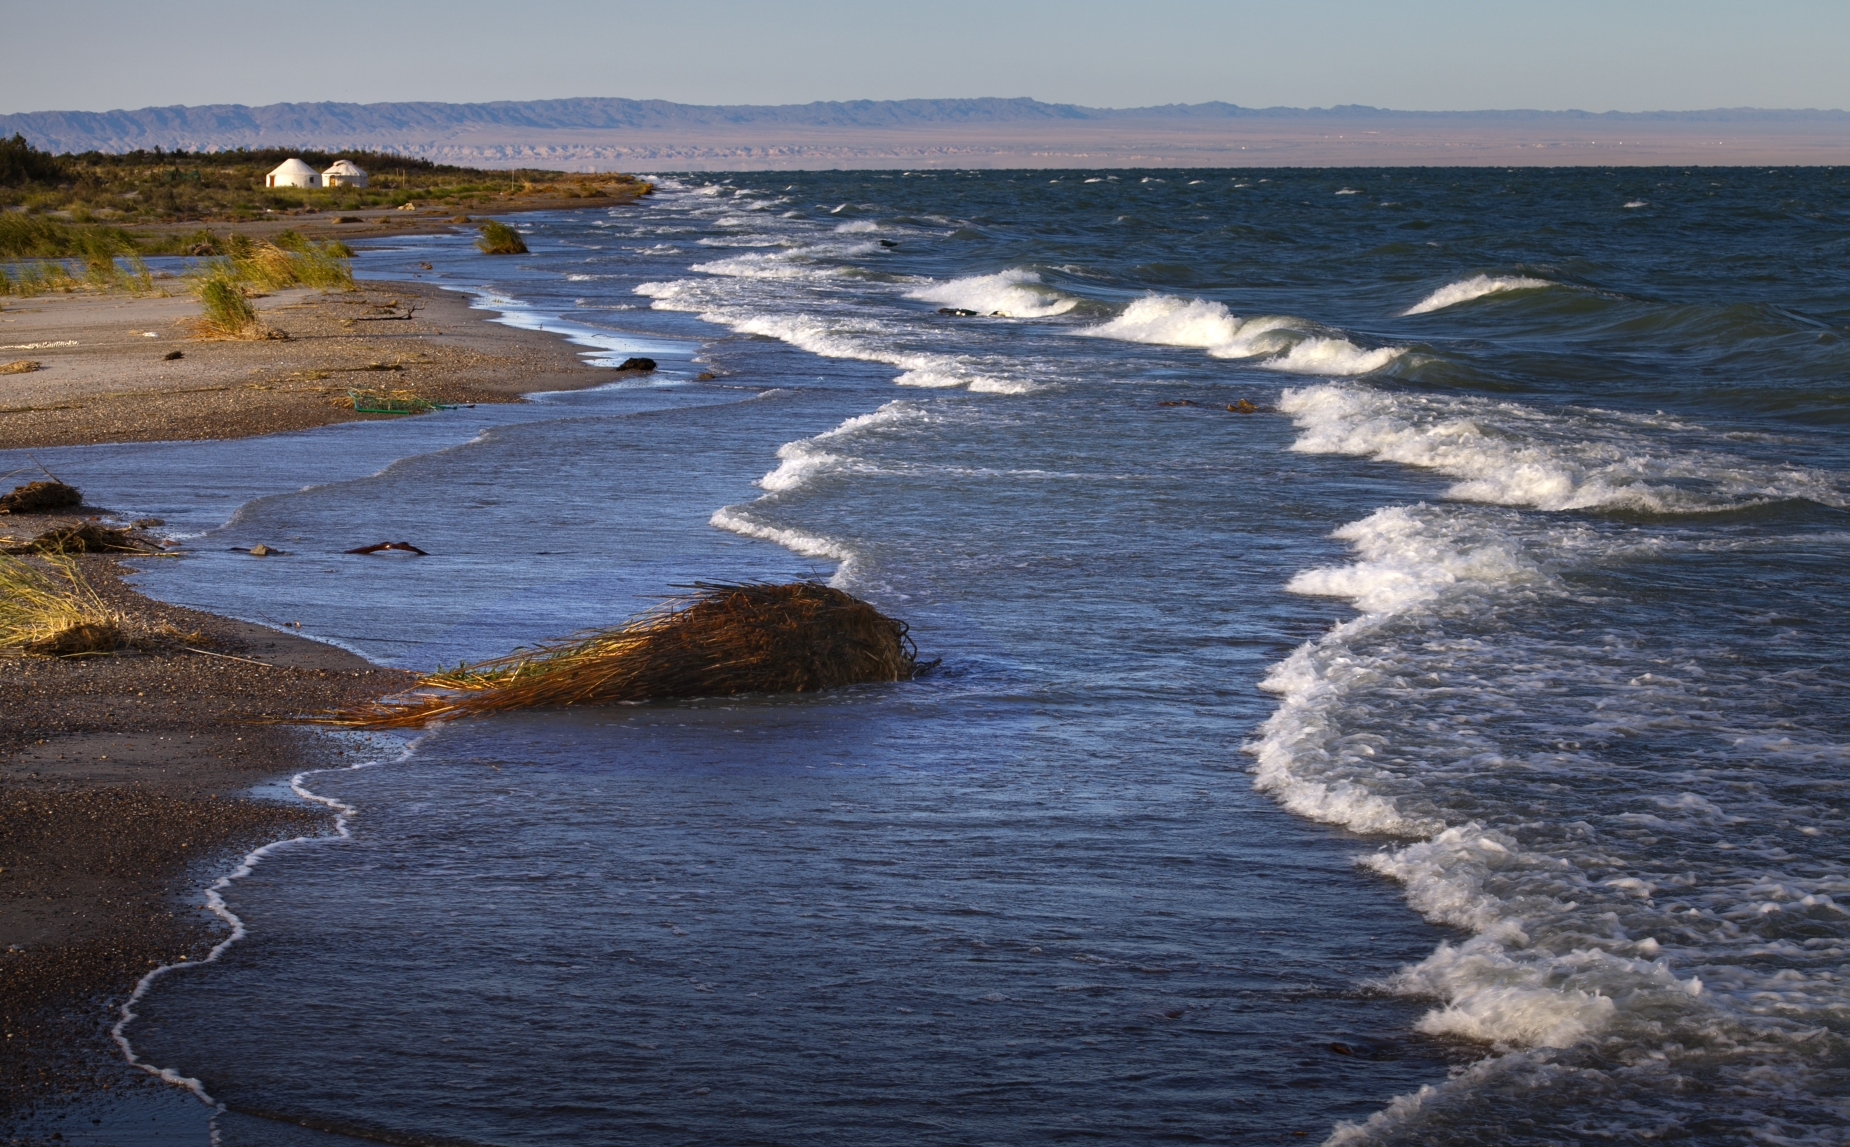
(293, 172)
(343, 174)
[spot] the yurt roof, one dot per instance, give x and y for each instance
(293, 166)
(342, 167)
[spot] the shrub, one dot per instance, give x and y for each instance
(21, 163)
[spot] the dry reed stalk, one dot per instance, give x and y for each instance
(717, 641)
(54, 614)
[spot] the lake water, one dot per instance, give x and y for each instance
(1451, 751)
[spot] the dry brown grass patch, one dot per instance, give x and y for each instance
(718, 641)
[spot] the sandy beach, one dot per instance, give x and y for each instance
(122, 778)
(105, 374)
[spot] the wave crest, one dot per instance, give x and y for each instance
(1476, 287)
(1015, 293)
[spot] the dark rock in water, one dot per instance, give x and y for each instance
(960, 312)
(41, 498)
(706, 376)
(145, 523)
(888, 243)
(643, 364)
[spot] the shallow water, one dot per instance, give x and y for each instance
(1469, 730)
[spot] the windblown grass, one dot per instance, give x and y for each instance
(37, 237)
(717, 641)
(500, 239)
(49, 610)
(291, 261)
(227, 313)
(223, 285)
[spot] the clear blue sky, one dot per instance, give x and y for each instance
(1627, 55)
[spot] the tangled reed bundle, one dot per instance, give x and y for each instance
(719, 640)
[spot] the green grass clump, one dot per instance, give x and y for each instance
(37, 237)
(500, 239)
(29, 279)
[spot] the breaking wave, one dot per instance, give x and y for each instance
(1017, 294)
(1476, 287)
(1511, 454)
(1285, 343)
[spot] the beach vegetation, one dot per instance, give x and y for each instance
(718, 640)
(225, 312)
(228, 186)
(48, 609)
(22, 164)
(500, 239)
(224, 284)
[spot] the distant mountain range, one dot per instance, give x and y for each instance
(580, 133)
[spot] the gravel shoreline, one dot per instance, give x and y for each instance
(124, 779)
(121, 776)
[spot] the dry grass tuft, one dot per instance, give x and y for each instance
(228, 314)
(21, 366)
(223, 286)
(84, 538)
(717, 641)
(53, 612)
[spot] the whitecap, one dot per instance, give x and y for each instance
(1510, 454)
(1287, 343)
(1476, 287)
(1015, 293)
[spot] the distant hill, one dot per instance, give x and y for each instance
(589, 133)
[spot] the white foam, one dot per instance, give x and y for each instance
(1510, 454)
(1408, 559)
(1292, 343)
(215, 902)
(1165, 320)
(736, 520)
(850, 334)
(1015, 293)
(1331, 356)
(1476, 287)
(1587, 937)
